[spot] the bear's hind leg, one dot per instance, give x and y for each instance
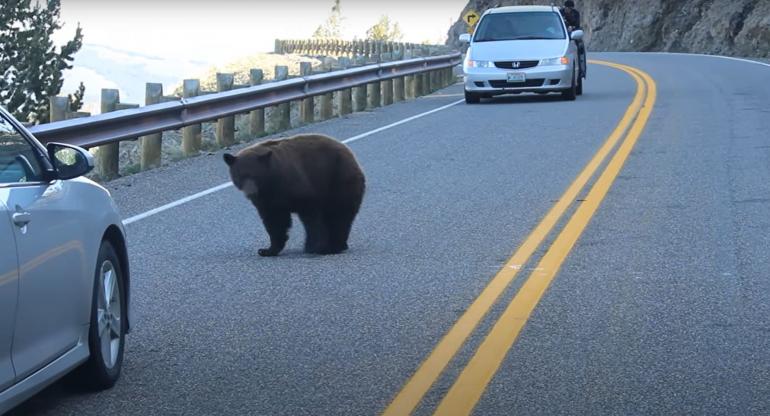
(316, 232)
(339, 223)
(277, 223)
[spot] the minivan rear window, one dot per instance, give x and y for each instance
(520, 26)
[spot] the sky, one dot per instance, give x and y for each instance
(218, 30)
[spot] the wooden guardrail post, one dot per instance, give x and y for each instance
(450, 76)
(409, 87)
(306, 108)
(387, 92)
(59, 107)
(419, 88)
(280, 115)
(151, 144)
(191, 135)
(398, 89)
(359, 92)
(433, 80)
(425, 83)
(108, 155)
(444, 78)
(373, 94)
(345, 97)
(225, 125)
(380, 51)
(326, 103)
(418, 85)
(256, 117)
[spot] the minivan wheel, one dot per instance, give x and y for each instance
(471, 98)
(106, 336)
(570, 93)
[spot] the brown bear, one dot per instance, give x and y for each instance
(311, 175)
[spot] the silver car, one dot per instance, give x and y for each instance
(522, 49)
(64, 273)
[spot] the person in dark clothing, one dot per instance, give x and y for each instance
(571, 15)
(572, 19)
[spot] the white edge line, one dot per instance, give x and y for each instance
(225, 185)
(406, 120)
(176, 203)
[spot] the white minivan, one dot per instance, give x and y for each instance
(520, 49)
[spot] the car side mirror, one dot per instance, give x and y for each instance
(69, 161)
(577, 35)
(465, 38)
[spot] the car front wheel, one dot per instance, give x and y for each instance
(106, 337)
(471, 98)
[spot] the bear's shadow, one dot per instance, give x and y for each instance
(249, 251)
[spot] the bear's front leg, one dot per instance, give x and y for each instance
(277, 223)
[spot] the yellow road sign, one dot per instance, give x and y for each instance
(471, 17)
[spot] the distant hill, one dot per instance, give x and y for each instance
(734, 28)
(100, 66)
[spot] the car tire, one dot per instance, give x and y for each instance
(570, 93)
(102, 369)
(471, 98)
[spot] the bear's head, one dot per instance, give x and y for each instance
(250, 169)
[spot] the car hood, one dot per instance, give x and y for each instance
(512, 50)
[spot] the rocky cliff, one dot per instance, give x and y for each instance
(724, 27)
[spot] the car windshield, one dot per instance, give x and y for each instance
(520, 26)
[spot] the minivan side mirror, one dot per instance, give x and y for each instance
(577, 35)
(465, 37)
(69, 161)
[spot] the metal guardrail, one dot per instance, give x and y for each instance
(369, 48)
(132, 123)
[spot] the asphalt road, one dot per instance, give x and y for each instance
(662, 307)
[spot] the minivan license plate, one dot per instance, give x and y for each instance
(516, 77)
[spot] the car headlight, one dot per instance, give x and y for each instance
(562, 60)
(479, 64)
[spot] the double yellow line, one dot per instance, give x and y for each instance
(473, 380)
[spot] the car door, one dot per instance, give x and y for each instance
(49, 241)
(9, 290)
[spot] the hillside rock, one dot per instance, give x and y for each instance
(733, 28)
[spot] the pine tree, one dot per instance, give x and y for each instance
(31, 65)
(76, 99)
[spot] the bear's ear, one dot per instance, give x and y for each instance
(229, 159)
